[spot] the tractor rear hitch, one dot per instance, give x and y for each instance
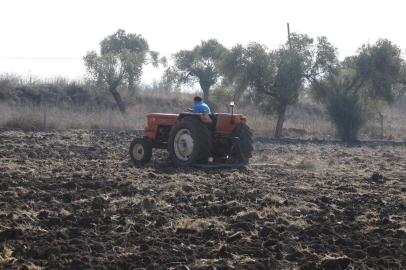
(236, 142)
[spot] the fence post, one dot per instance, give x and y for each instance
(45, 114)
(170, 107)
(110, 116)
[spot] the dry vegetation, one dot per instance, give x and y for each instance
(73, 105)
(305, 121)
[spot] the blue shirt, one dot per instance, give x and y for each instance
(200, 107)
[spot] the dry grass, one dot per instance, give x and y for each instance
(270, 211)
(299, 122)
(252, 214)
(270, 199)
(6, 254)
(65, 212)
(306, 164)
(70, 118)
(200, 224)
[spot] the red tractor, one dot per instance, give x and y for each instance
(192, 138)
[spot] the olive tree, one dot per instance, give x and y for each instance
(120, 62)
(275, 78)
(360, 86)
(197, 66)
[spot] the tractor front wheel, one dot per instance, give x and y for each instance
(140, 150)
(189, 142)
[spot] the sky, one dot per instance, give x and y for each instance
(48, 39)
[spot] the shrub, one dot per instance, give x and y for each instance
(347, 114)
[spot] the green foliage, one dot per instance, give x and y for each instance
(120, 62)
(319, 57)
(223, 95)
(374, 73)
(348, 105)
(197, 66)
(120, 40)
(347, 113)
(161, 87)
(113, 70)
(379, 66)
(362, 84)
(273, 79)
(283, 87)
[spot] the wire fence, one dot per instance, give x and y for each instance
(41, 118)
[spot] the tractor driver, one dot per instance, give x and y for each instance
(199, 105)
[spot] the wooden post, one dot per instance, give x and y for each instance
(381, 120)
(170, 107)
(290, 44)
(45, 114)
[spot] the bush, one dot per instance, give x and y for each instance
(8, 83)
(347, 114)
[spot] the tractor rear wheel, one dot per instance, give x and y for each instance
(243, 132)
(140, 150)
(189, 142)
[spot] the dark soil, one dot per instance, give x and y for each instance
(74, 200)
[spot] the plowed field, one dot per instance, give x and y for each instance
(74, 200)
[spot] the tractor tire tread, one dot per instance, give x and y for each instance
(147, 145)
(243, 132)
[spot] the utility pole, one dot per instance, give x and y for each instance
(290, 44)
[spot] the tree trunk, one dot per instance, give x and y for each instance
(205, 87)
(381, 120)
(206, 96)
(117, 97)
(281, 119)
(131, 82)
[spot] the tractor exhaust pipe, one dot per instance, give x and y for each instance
(232, 111)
